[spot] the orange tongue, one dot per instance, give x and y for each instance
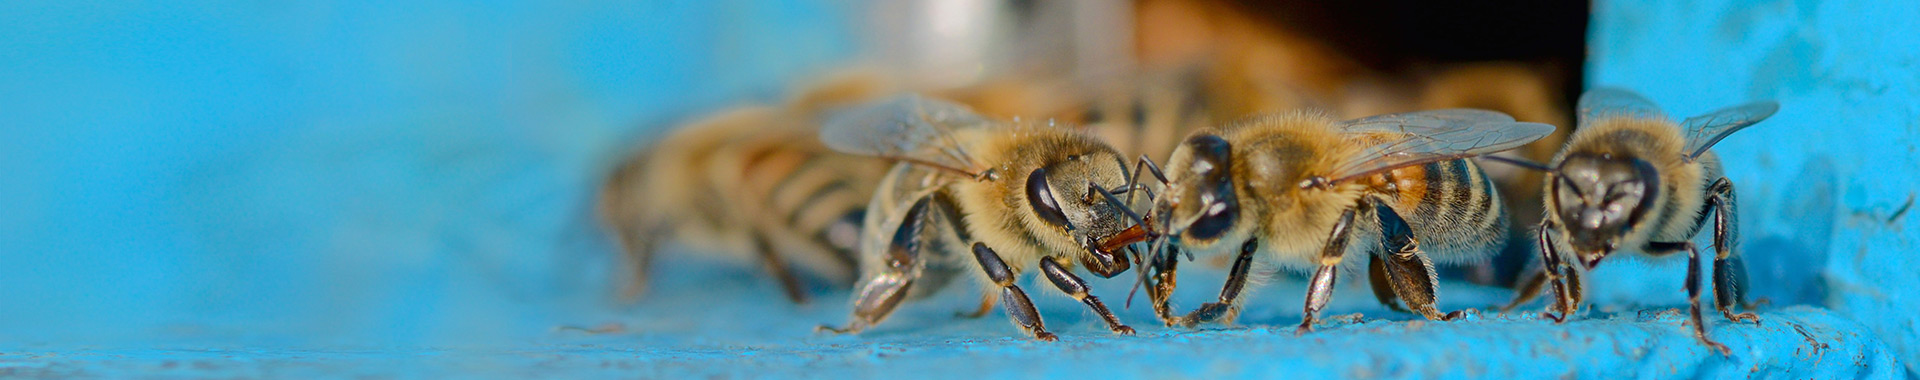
(1131, 235)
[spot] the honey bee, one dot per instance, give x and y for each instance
(969, 194)
(1299, 187)
(1631, 179)
(752, 180)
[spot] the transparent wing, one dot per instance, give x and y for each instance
(1422, 121)
(1705, 130)
(1414, 138)
(1614, 102)
(907, 127)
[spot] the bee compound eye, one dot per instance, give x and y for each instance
(1040, 198)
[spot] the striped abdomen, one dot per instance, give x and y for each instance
(807, 201)
(1452, 207)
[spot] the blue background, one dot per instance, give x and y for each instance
(332, 189)
(407, 172)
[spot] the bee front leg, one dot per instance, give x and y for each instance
(1226, 309)
(1165, 274)
(1320, 287)
(1077, 288)
(987, 300)
(879, 294)
(1729, 272)
(1019, 308)
(1564, 279)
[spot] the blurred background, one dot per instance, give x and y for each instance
(425, 172)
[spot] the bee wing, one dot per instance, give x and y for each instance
(1705, 130)
(906, 127)
(1614, 102)
(1415, 138)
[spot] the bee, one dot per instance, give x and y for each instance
(1301, 189)
(752, 183)
(1529, 93)
(994, 198)
(1631, 179)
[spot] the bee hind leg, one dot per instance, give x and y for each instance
(1408, 270)
(1381, 286)
(789, 282)
(877, 295)
(1693, 301)
(1729, 272)
(1728, 275)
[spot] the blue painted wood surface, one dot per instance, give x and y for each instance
(232, 189)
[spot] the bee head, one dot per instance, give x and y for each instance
(1201, 205)
(1600, 199)
(1063, 194)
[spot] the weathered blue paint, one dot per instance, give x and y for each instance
(1825, 181)
(239, 190)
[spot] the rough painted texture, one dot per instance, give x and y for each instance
(1828, 182)
(724, 323)
(237, 190)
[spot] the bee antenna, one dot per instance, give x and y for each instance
(1139, 262)
(1125, 207)
(1144, 164)
(1520, 162)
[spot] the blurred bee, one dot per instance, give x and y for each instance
(1149, 113)
(975, 195)
(1145, 116)
(753, 180)
(1631, 179)
(1299, 187)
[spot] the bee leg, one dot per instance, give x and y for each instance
(1729, 272)
(1693, 300)
(841, 240)
(1565, 280)
(1226, 310)
(1382, 288)
(1019, 308)
(1408, 269)
(1165, 276)
(1728, 275)
(637, 246)
(1320, 287)
(789, 282)
(1077, 288)
(987, 300)
(1528, 289)
(879, 294)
